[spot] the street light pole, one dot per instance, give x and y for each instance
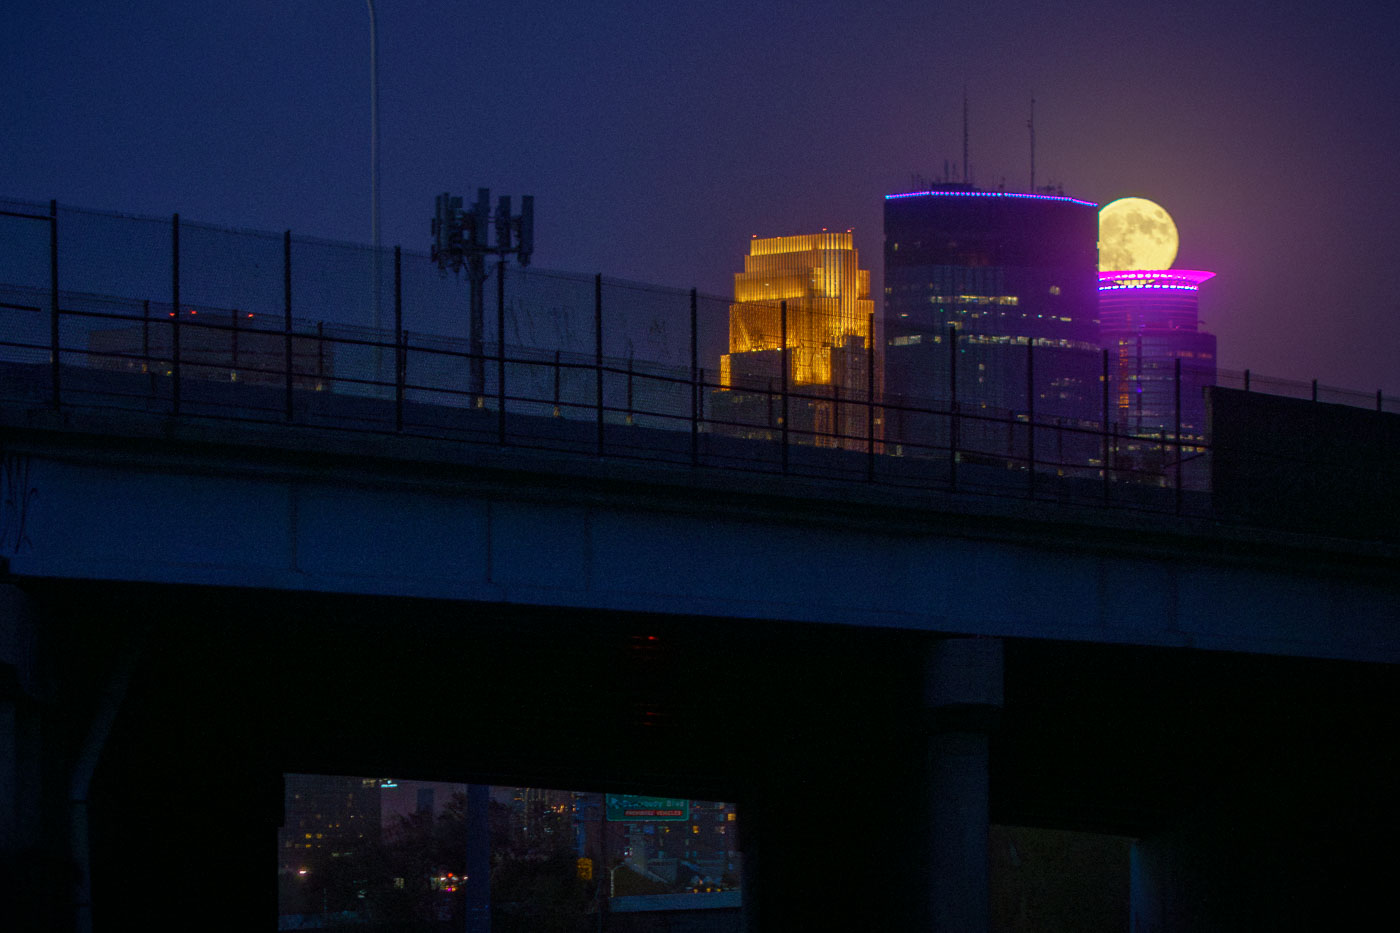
(375, 272)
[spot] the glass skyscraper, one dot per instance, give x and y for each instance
(1012, 277)
(1149, 323)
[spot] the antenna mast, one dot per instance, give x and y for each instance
(1030, 124)
(964, 165)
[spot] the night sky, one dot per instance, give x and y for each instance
(657, 137)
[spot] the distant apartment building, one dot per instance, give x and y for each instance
(325, 817)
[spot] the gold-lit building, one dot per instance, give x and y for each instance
(829, 319)
(828, 310)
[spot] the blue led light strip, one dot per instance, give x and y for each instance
(988, 194)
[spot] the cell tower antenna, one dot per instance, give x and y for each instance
(964, 165)
(1030, 125)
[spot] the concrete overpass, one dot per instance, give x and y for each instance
(195, 606)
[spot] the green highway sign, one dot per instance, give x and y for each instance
(623, 808)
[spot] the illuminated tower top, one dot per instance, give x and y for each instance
(812, 266)
(828, 304)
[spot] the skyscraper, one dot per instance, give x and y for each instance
(1012, 276)
(327, 816)
(828, 319)
(1160, 359)
(1150, 324)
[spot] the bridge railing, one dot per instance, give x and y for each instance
(248, 366)
(254, 327)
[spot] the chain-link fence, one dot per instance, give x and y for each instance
(1309, 390)
(104, 310)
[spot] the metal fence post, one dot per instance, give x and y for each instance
(233, 341)
(1314, 390)
(836, 414)
(1246, 380)
(501, 352)
(783, 361)
(557, 412)
(1030, 417)
(175, 303)
(1113, 437)
(598, 350)
(952, 406)
(55, 348)
(146, 345)
(629, 389)
(870, 401)
(1177, 376)
(287, 315)
(1106, 480)
(399, 352)
(694, 386)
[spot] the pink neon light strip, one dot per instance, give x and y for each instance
(1145, 279)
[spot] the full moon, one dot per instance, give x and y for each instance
(1135, 233)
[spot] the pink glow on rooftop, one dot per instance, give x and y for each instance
(1153, 278)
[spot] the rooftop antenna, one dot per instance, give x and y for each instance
(964, 165)
(1030, 124)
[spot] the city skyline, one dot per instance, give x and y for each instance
(623, 123)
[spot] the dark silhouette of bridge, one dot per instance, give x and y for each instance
(220, 572)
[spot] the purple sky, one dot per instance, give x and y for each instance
(657, 137)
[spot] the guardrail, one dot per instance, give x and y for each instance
(246, 366)
(533, 382)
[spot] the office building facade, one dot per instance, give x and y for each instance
(990, 298)
(809, 293)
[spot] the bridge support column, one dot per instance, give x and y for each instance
(963, 699)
